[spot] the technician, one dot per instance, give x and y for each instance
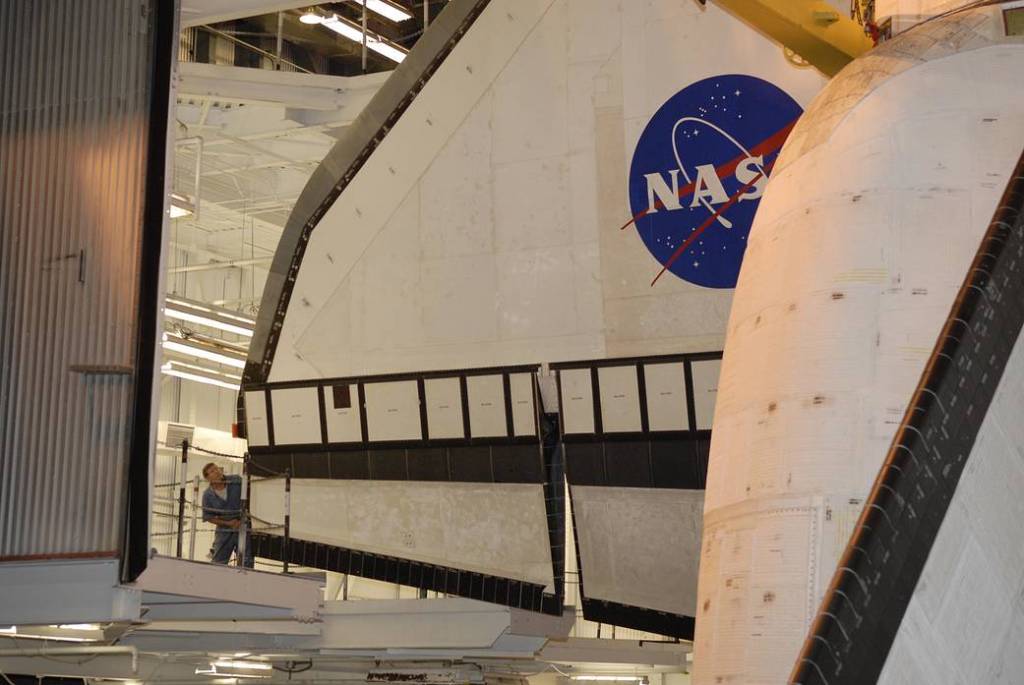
(222, 506)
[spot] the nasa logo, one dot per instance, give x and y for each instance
(699, 170)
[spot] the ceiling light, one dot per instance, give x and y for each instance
(351, 31)
(181, 206)
(310, 17)
(77, 626)
(199, 350)
(205, 315)
(8, 630)
(198, 375)
(386, 9)
(230, 663)
(613, 678)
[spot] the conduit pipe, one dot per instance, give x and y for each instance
(77, 651)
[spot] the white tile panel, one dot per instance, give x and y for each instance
(486, 406)
(705, 390)
(620, 399)
(296, 413)
(577, 401)
(392, 411)
(665, 384)
(256, 418)
(524, 419)
(343, 423)
(444, 408)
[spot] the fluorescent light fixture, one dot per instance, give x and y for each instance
(78, 626)
(47, 633)
(353, 32)
(206, 315)
(310, 17)
(200, 375)
(234, 663)
(386, 9)
(9, 630)
(181, 206)
(221, 669)
(199, 350)
(613, 678)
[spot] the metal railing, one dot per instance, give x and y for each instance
(877, 574)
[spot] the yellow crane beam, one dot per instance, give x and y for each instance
(813, 29)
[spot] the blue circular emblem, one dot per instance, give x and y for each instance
(699, 170)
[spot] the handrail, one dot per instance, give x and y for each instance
(862, 610)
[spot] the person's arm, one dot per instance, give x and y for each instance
(232, 523)
(210, 510)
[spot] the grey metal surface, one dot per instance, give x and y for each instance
(74, 129)
(341, 164)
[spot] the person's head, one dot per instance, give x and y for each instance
(213, 473)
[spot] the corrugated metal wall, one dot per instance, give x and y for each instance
(74, 128)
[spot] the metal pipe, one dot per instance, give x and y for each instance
(213, 266)
(181, 495)
(75, 651)
(195, 511)
(287, 517)
(426, 14)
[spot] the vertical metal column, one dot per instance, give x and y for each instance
(195, 522)
(426, 14)
(280, 26)
(181, 496)
(243, 532)
(287, 517)
(364, 37)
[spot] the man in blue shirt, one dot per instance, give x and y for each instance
(222, 506)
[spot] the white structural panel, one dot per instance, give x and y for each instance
(620, 399)
(705, 390)
(342, 414)
(876, 208)
(393, 411)
(486, 398)
(296, 413)
(521, 395)
(485, 228)
(654, 570)
(577, 401)
(444, 408)
(256, 418)
(965, 622)
(665, 385)
(500, 530)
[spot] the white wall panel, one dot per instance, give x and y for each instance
(487, 417)
(640, 546)
(577, 400)
(344, 423)
(524, 419)
(256, 418)
(620, 399)
(296, 414)
(392, 411)
(705, 390)
(444, 408)
(666, 396)
(495, 529)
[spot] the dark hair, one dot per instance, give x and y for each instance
(207, 468)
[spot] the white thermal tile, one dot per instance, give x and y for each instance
(486, 406)
(256, 418)
(705, 390)
(296, 416)
(620, 399)
(444, 408)
(524, 419)
(577, 401)
(343, 422)
(392, 411)
(666, 396)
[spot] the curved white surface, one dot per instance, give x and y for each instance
(876, 209)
